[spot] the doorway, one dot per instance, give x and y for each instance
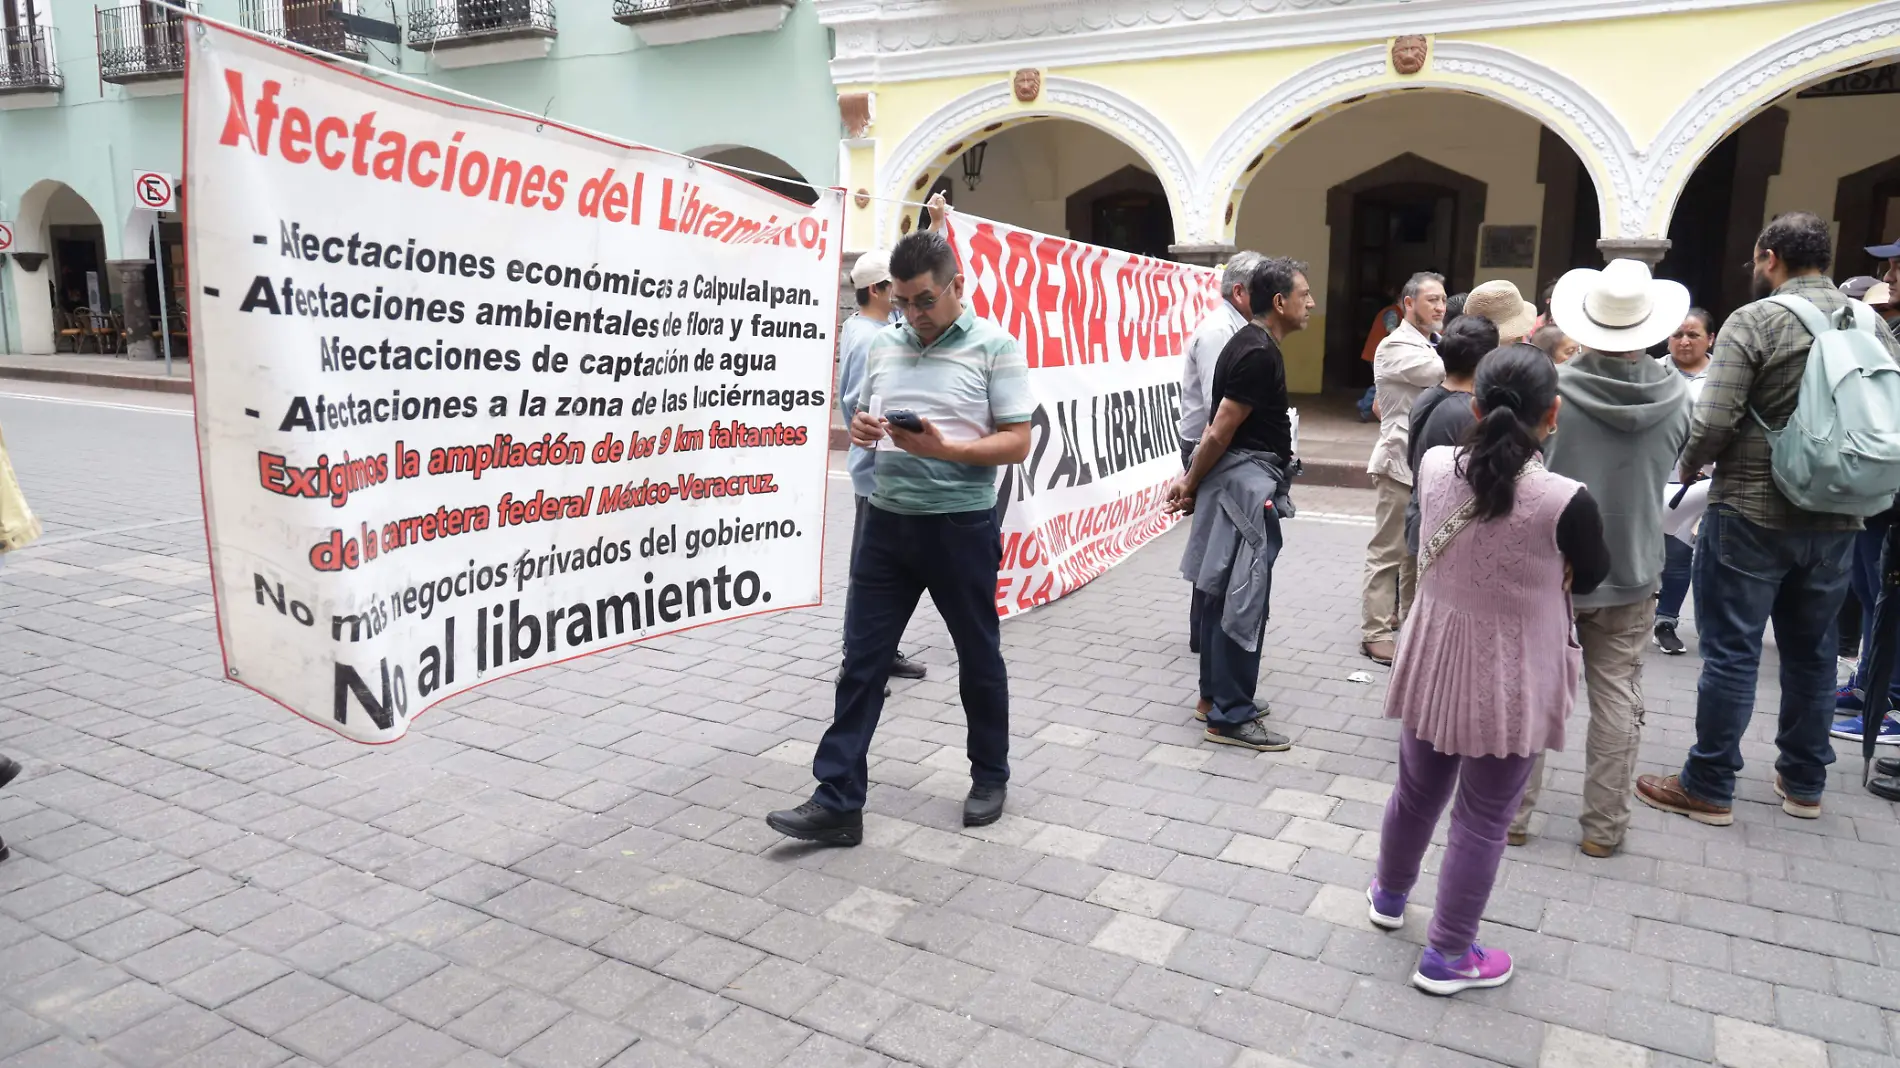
(1404, 216)
(1867, 204)
(1128, 210)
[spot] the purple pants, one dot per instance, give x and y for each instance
(1489, 789)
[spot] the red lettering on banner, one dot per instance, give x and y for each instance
(1018, 278)
(1049, 288)
(986, 260)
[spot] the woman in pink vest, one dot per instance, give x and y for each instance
(1487, 669)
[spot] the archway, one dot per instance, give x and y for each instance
(1064, 178)
(59, 235)
(936, 147)
(1811, 147)
(779, 176)
(1368, 194)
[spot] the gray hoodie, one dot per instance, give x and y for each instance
(1622, 427)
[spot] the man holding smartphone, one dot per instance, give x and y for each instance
(961, 382)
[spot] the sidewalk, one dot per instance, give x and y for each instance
(113, 372)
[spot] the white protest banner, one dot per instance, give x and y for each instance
(1104, 333)
(477, 393)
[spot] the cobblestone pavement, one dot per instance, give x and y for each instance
(568, 868)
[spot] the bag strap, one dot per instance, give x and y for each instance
(1454, 524)
(1812, 318)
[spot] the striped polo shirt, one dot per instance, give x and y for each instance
(968, 382)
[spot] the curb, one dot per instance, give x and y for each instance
(148, 383)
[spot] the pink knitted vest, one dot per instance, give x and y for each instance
(1487, 665)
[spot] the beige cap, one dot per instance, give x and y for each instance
(1880, 293)
(1500, 302)
(872, 268)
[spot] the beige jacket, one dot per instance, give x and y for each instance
(1405, 365)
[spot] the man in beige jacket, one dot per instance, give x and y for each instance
(1405, 365)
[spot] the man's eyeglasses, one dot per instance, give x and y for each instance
(921, 302)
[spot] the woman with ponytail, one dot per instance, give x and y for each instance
(1486, 670)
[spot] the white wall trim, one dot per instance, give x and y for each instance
(1571, 111)
(1735, 95)
(1104, 109)
(903, 40)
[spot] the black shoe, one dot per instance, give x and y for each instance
(1252, 734)
(1888, 767)
(4, 851)
(1888, 788)
(984, 806)
(9, 770)
(1667, 641)
(813, 822)
(902, 667)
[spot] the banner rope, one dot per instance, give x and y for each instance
(437, 90)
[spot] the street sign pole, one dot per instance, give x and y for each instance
(164, 324)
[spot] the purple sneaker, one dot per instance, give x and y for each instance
(1385, 910)
(1479, 968)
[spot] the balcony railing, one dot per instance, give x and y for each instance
(446, 22)
(26, 60)
(311, 23)
(140, 43)
(633, 12)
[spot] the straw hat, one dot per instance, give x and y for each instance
(1620, 308)
(1881, 293)
(1500, 302)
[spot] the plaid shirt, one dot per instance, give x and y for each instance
(1759, 359)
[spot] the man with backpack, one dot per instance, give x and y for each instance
(1783, 510)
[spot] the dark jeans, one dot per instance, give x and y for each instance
(1868, 545)
(1197, 602)
(1678, 570)
(1229, 673)
(1746, 575)
(898, 557)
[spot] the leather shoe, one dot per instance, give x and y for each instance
(9, 769)
(4, 851)
(984, 806)
(902, 667)
(1381, 651)
(1597, 850)
(1665, 792)
(1888, 788)
(1888, 767)
(813, 822)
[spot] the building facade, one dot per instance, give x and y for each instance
(89, 95)
(1371, 139)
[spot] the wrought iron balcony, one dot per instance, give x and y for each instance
(140, 43)
(678, 21)
(439, 23)
(311, 23)
(26, 60)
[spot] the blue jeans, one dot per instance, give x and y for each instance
(1229, 673)
(1678, 570)
(1365, 403)
(1746, 575)
(898, 557)
(1868, 546)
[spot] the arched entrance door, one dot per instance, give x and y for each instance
(1404, 216)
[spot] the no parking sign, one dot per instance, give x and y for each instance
(6, 237)
(154, 190)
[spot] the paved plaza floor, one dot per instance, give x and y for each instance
(569, 867)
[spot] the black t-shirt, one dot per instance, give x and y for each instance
(1252, 372)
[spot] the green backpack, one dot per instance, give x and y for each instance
(1840, 451)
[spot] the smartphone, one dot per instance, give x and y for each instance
(904, 419)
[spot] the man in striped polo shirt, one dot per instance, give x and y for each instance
(930, 526)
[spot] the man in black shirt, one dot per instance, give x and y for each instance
(1250, 414)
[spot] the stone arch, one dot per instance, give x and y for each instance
(32, 234)
(1591, 130)
(939, 139)
(1865, 35)
(786, 179)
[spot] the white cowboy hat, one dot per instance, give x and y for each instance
(1619, 308)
